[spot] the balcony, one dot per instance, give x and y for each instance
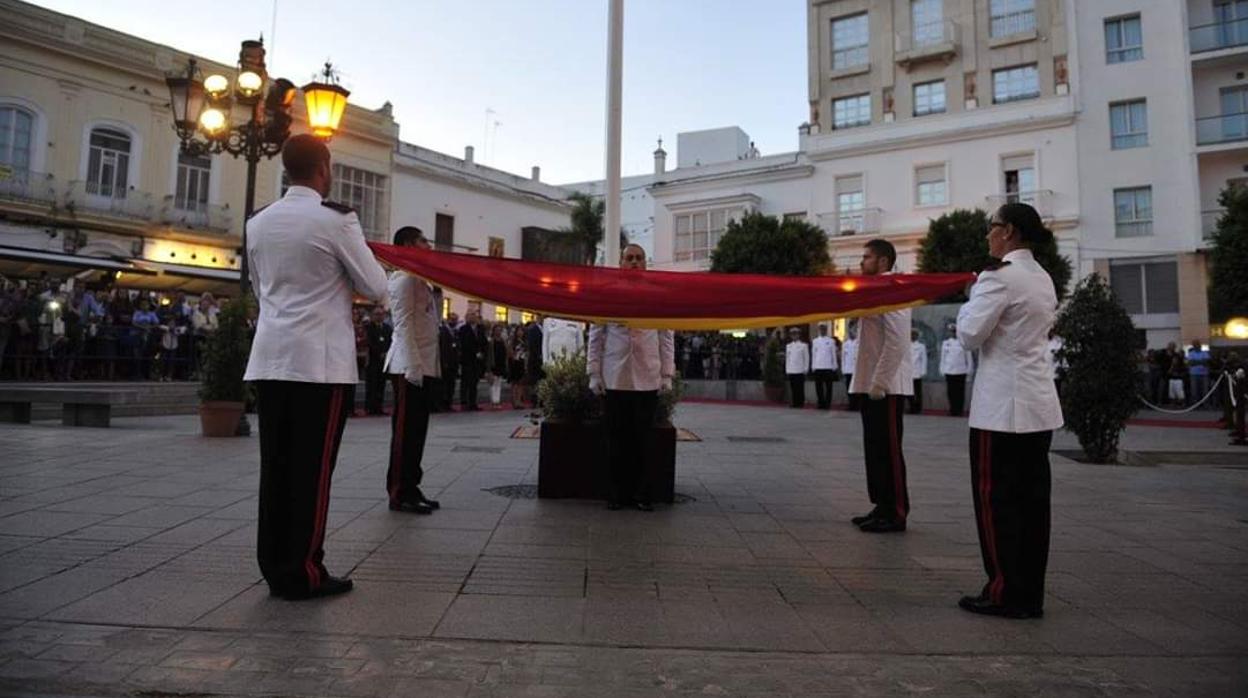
(1039, 199)
(1012, 28)
(861, 221)
(196, 216)
(1209, 222)
(1227, 128)
(92, 197)
(27, 186)
(1219, 35)
(934, 41)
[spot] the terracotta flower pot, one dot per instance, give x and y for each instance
(219, 418)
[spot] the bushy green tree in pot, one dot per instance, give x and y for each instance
(222, 393)
(1099, 382)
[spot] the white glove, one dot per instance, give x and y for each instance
(415, 379)
(876, 394)
(595, 385)
(665, 384)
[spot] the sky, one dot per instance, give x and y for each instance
(539, 65)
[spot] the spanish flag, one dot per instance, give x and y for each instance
(665, 299)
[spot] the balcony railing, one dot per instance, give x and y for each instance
(197, 216)
(1039, 199)
(122, 203)
(1226, 128)
(1219, 35)
(854, 222)
(24, 185)
(1013, 23)
(1209, 222)
(926, 41)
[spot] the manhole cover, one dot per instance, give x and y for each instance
(460, 448)
(758, 439)
(530, 492)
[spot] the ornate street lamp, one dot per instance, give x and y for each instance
(204, 107)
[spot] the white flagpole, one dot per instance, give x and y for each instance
(615, 89)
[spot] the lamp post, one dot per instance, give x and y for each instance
(203, 111)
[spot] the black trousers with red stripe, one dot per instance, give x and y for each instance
(301, 428)
(409, 426)
(1011, 483)
(886, 466)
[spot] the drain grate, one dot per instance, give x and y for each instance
(460, 448)
(758, 439)
(530, 492)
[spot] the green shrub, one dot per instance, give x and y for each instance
(564, 393)
(668, 399)
(226, 353)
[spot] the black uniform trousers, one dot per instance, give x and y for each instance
(955, 385)
(1011, 485)
(300, 430)
(824, 379)
(852, 400)
(469, 376)
(886, 466)
(797, 389)
(916, 402)
(629, 421)
(409, 427)
(374, 384)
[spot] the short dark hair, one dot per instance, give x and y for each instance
(302, 154)
(883, 248)
(408, 235)
(1026, 221)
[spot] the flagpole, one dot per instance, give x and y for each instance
(615, 81)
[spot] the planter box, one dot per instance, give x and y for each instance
(572, 461)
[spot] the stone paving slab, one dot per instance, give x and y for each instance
(125, 569)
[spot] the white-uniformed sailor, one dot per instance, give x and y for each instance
(824, 365)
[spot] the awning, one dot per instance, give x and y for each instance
(14, 260)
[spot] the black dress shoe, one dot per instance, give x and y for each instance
(982, 606)
(645, 506)
(860, 520)
(613, 505)
(413, 507)
(420, 497)
(332, 586)
(882, 526)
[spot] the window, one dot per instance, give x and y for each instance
(500, 314)
(365, 192)
(16, 129)
(1128, 124)
(496, 247)
(443, 232)
(1019, 173)
(446, 308)
(1133, 212)
(1124, 40)
(697, 234)
(848, 112)
(192, 188)
(851, 202)
(795, 216)
(850, 42)
(927, 18)
(1146, 288)
(108, 163)
(1012, 17)
(1013, 84)
(929, 98)
(1232, 22)
(930, 186)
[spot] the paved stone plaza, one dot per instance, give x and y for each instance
(127, 568)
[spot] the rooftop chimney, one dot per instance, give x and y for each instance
(660, 159)
(537, 173)
(468, 154)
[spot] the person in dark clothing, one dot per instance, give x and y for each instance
(379, 335)
(448, 356)
(533, 346)
(471, 358)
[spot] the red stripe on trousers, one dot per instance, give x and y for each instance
(997, 584)
(894, 447)
(322, 490)
(396, 440)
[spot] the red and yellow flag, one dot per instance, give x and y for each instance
(665, 299)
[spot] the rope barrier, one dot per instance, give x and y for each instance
(1185, 410)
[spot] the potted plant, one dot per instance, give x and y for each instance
(222, 392)
(773, 370)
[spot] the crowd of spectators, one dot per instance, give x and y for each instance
(719, 356)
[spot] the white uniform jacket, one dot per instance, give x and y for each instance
(621, 358)
(849, 356)
(883, 360)
(560, 337)
(1008, 318)
(796, 358)
(955, 359)
(306, 262)
(823, 354)
(918, 359)
(413, 309)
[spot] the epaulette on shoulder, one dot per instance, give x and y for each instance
(253, 213)
(340, 208)
(995, 266)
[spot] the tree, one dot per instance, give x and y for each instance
(586, 228)
(762, 244)
(957, 242)
(1099, 381)
(1228, 258)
